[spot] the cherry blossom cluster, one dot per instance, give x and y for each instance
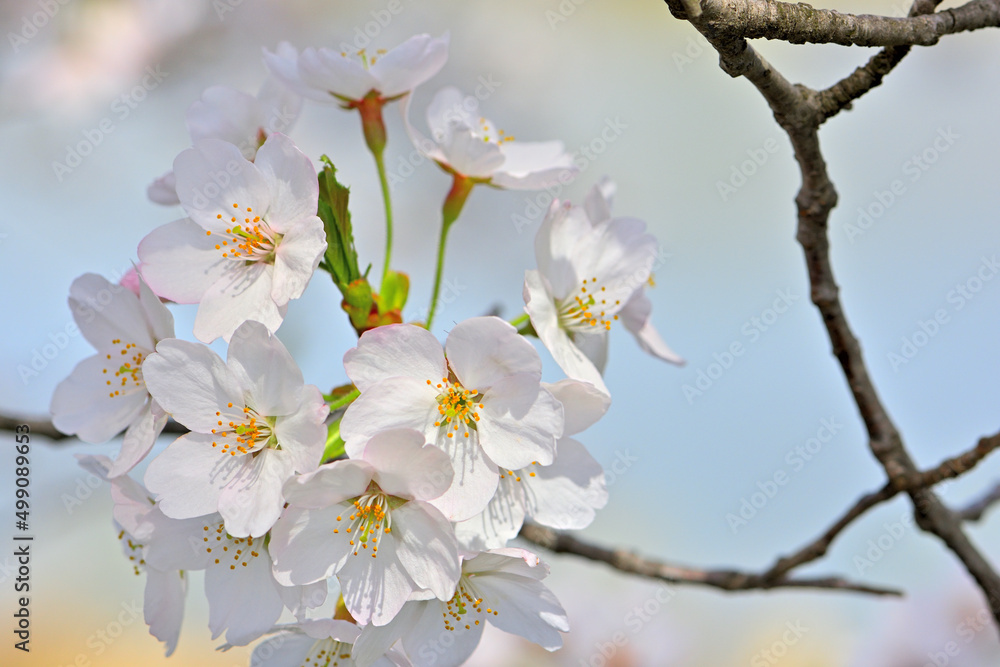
(398, 493)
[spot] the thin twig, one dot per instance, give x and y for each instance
(727, 580)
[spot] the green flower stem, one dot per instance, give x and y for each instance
(518, 321)
(453, 203)
(387, 201)
(336, 404)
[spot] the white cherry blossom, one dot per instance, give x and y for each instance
(502, 587)
(565, 495)
(236, 117)
(163, 598)
(244, 599)
(469, 146)
(107, 393)
(479, 399)
(592, 271)
(333, 75)
(367, 520)
(252, 241)
(254, 423)
(324, 642)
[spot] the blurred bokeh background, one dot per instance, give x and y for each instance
(642, 96)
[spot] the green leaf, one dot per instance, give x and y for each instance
(395, 289)
(341, 258)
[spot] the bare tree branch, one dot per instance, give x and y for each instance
(840, 95)
(800, 23)
(975, 511)
(949, 468)
(797, 111)
(727, 580)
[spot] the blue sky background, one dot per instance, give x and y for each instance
(566, 71)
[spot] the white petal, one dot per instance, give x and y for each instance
(525, 160)
(285, 649)
(526, 608)
(243, 601)
(594, 346)
(521, 422)
(410, 64)
(423, 643)
(82, 404)
(280, 104)
(189, 475)
(500, 522)
(566, 494)
(157, 316)
(251, 501)
(302, 434)
(212, 176)
(300, 599)
(375, 640)
(329, 484)
(243, 294)
(483, 350)
(538, 180)
(265, 370)
(636, 317)
(556, 245)
(406, 467)
(227, 114)
(468, 154)
(304, 547)
(426, 546)
(291, 180)
(180, 262)
(392, 351)
(296, 258)
(163, 190)
(325, 70)
(599, 200)
(140, 438)
(163, 606)
(177, 544)
(192, 383)
(544, 319)
(105, 311)
(375, 589)
(448, 106)
(475, 482)
(413, 405)
(284, 65)
(583, 403)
